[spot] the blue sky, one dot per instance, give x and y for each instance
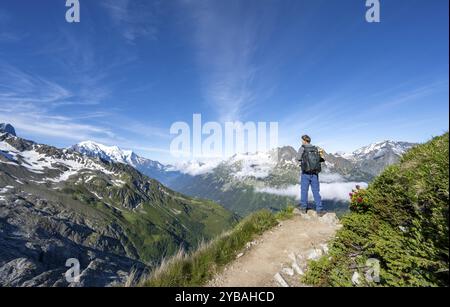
(131, 68)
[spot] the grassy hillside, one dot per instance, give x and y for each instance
(404, 226)
(163, 220)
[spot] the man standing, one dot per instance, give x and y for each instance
(310, 158)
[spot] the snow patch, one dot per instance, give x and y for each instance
(38, 163)
(118, 183)
(5, 189)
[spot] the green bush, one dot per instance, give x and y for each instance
(405, 226)
(358, 200)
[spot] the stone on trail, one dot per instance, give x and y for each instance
(280, 280)
(314, 254)
(293, 257)
(324, 248)
(355, 278)
(288, 271)
(297, 269)
(330, 219)
(312, 213)
(305, 216)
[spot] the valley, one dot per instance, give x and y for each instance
(57, 204)
(117, 213)
(246, 183)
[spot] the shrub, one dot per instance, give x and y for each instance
(359, 201)
(405, 227)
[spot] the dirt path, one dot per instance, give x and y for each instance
(279, 257)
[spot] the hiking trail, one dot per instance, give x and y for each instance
(278, 258)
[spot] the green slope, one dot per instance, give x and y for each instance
(155, 220)
(146, 220)
(405, 228)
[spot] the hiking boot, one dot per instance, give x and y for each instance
(321, 213)
(304, 210)
(300, 209)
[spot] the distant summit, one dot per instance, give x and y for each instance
(150, 168)
(108, 153)
(7, 128)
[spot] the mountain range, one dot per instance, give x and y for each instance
(117, 212)
(58, 204)
(244, 183)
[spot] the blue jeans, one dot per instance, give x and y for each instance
(307, 180)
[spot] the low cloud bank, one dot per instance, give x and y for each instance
(328, 190)
(195, 168)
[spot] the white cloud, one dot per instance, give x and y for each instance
(195, 168)
(258, 165)
(328, 190)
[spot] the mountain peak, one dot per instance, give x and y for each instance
(398, 148)
(109, 153)
(5, 127)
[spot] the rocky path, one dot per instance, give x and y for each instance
(279, 257)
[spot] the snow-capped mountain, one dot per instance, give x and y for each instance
(113, 154)
(108, 153)
(148, 167)
(57, 204)
(247, 182)
(39, 160)
(242, 165)
(378, 150)
(250, 181)
(374, 158)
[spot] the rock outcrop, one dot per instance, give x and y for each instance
(7, 128)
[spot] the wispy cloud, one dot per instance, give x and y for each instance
(133, 18)
(37, 122)
(146, 130)
(340, 113)
(17, 86)
(226, 39)
(28, 101)
(410, 95)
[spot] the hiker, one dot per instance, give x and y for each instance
(310, 158)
